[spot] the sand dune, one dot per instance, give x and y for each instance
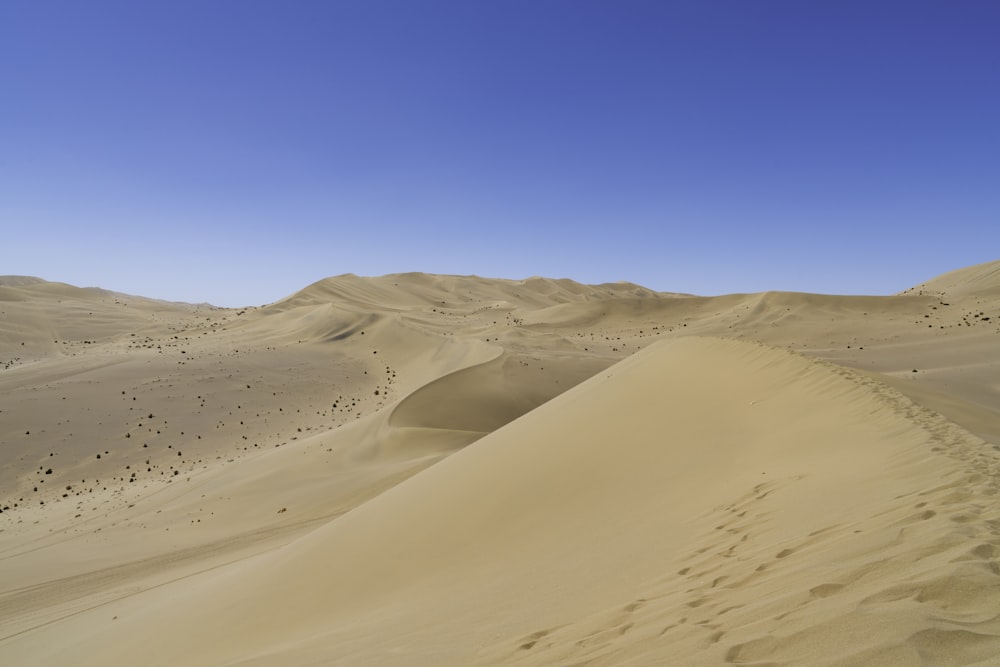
(433, 470)
(981, 279)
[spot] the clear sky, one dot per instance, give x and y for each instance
(235, 151)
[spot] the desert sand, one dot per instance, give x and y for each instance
(451, 470)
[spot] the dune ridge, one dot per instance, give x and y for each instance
(454, 470)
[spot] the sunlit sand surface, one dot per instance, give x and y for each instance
(442, 470)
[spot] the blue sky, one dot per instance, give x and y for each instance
(236, 151)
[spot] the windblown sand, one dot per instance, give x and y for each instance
(443, 470)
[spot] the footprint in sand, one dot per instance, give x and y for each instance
(529, 641)
(825, 590)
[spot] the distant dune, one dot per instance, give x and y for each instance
(452, 470)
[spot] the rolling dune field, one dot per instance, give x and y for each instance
(451, 470)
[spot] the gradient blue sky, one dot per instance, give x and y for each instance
(236, 151)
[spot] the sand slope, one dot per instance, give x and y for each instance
(981, 279)
(535, 482)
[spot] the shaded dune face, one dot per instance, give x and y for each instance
(484, 397)
(421, 469)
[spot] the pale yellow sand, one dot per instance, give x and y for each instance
(372, 472)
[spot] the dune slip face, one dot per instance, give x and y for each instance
(428, 470)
